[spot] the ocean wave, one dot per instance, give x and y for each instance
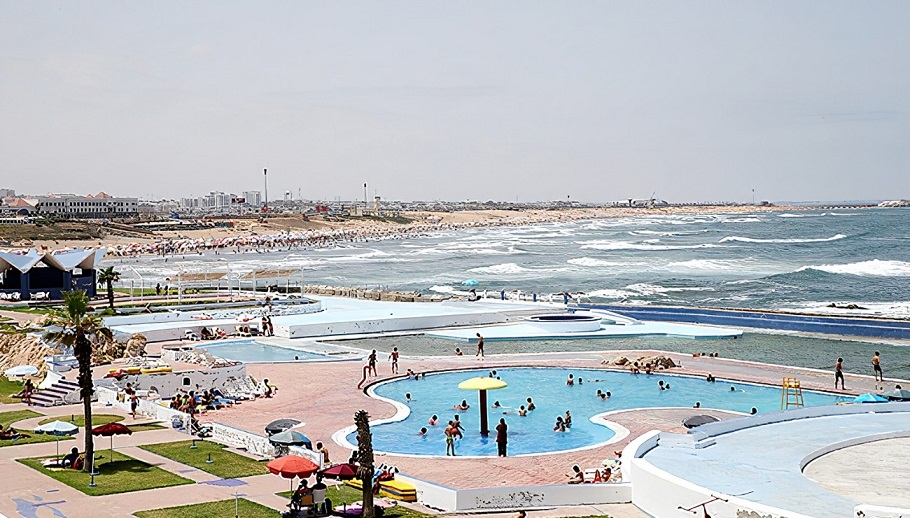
(666, 234)
(789, 215)
(739, 239)
(741, 220)
(709, 264)
(656, 289)
(873, 268)
(843, 214)
(590, 261)
(448, 290)
(500, 269)
(611, 294)
(625, 245)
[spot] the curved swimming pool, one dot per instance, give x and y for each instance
(437, 393)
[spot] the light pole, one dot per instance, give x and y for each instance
(265, 175)
(364, 196)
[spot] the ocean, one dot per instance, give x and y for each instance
(797, 261)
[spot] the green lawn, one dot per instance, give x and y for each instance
(246, 509)
(8, 418)
(123, 475)
(349, 495)
(7, 388)
(100, 419)
(225, 464)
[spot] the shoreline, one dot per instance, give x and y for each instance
(283, 231)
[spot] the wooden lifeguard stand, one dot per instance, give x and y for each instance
(791, 394)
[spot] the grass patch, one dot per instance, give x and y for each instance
(245, 508)
(123, 475)
(8, 418)
(225, 464)
(7, 388)
(349, 495)
(79, 419)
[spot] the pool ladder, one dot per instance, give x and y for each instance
(791, 394)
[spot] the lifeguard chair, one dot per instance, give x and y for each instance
(791, 394)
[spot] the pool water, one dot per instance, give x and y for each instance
(437, 393)
(249, 351)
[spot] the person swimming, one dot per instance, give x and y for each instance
(423, 431)
(522, 411)
(661, 384)
(531, 405)
(568, 419)
(433, 420)
(571, 381)
(463, 406)
(697, 404)
(710, 378)
(407, 396)
(601, 395)
(496, 405)
(458, 352)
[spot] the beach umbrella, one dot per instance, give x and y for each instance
(291, 438)
(280, 425)
(869, 398)
(483, 385)
(341, 472)
(110, 430)
(58, 429)
(292, 466)
(698, 420)
(22, 370)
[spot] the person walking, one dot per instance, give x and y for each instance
(394, 358)
(372, 363)
(502, 436)
(839, 374)
(479, 346)
(877, 367)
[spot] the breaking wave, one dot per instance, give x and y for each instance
(739, 239)
(875, 268)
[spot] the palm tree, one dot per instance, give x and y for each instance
(80, 331)
(365, 459)
(109, 276)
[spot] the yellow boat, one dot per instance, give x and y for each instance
(156, 370)
(391, 489)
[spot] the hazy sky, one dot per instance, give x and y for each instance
(458, 100)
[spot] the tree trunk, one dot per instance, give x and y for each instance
(365, 458)
(82, 349)
(110, 294)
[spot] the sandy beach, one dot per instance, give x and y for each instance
(325, 231)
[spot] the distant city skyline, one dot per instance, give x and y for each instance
(589, 101)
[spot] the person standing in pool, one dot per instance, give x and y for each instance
(501, 436)
(839, 374)
(531, 405)
(877, 367)
(450, 440)
(394, 358)
(479, 346)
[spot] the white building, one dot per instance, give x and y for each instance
(98, 206)
(253, 198)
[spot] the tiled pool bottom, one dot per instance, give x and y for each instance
(251, 351)
(437, 393)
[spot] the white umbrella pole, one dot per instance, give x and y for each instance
(58, 448)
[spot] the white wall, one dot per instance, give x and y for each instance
(168, 383)
(384, 325)
(502, 498)
(877, 511)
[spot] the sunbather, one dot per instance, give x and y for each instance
(577, 476)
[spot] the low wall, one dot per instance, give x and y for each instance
(757, 319)
(877, 511)
(504, 498)
(385, 325)
(256, 444)
(147, 408)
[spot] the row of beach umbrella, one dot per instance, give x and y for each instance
(62, 429)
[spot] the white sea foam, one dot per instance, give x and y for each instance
(789, 215)
(449, 290)
(843, 214)
(742, 220)
(739, 239)
(875, 268)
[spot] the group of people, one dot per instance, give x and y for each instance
(877, 373)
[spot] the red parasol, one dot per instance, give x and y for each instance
(110, 430)
(340, 472)
(291, 466)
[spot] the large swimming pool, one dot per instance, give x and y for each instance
(250, 351)
(437, 393)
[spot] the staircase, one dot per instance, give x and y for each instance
(53, 395)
